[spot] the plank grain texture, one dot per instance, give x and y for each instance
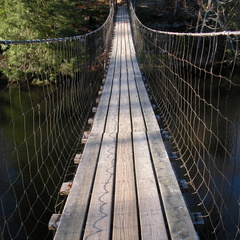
(125, 187)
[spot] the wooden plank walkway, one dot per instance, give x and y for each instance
(125, 187)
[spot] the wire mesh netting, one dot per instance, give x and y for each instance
(194, 79)
(45, 102)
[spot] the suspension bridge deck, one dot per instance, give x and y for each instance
(125, 187)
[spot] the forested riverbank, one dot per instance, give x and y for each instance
(27, 20)
(189, 15)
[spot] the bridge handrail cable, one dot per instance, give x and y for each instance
(192, 34)
(80, 37)
(194, 80)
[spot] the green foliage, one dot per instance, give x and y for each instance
(23, 19)
(42, 62)
(40, 19)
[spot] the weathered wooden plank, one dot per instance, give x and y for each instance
(75, 210)
(124, 113)
(65, 188)
(125, 219)
(54, 222)
(101, 115)
(113, 112)
(150, 211)
(178, 218)
(98, 224)
(77, 158)
(112, 118)
(149, 116)
(138, 124)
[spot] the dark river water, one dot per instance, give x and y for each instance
(215, 166)
(202, 113)
(34, 158)
(39, 136)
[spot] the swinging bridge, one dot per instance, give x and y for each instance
(148, 151)
(125, 187)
